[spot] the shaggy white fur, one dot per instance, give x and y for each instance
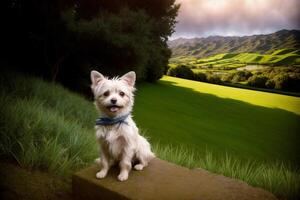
(120, 143)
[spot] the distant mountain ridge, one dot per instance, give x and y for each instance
(204, 47)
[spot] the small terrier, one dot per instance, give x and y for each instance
(116, 132)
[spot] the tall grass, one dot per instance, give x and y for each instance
(278, 178)
(44, 126)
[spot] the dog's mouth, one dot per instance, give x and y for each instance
(114, 108)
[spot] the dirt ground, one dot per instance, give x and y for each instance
(19, 183)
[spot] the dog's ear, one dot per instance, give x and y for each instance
(129, 78)
(96, 78)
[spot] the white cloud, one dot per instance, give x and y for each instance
(236, 17)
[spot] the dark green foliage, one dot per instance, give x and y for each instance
(281, 81)
(241, 76)
(124, 35)
(64, 40)
(279, 78)
(258, 81)
(270, 84)
(286, 82)
(200, 77)
(213, 78)
(166, 69)
(227, 77)
(181, 71)
(116, 42)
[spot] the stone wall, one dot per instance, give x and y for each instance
(163, 180)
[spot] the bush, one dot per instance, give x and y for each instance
(213, 78)
(227, 77)
(200, 77)
(181, 71)
(241, 76)
(270, 84)
(282, 81)
(258, 81)
(236, 78)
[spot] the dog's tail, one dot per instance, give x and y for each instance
(151, 156)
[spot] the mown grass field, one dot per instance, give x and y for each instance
(249, 124)
(248, 135)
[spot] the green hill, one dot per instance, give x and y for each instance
(281, 57)
(262, 44)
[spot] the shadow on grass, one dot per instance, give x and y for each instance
(183, 117)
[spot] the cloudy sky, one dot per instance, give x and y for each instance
(201, 18)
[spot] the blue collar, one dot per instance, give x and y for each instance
(105, 121)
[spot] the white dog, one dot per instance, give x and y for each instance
(116, 132)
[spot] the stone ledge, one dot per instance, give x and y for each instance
(163, 180)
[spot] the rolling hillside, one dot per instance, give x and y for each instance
(279, 57)
(204, 47)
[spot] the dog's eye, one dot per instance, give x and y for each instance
(106, 93)
(122, 94)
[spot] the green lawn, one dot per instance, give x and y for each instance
(250, 124)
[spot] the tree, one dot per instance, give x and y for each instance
(241, 76)
(200, 77)
(214, 78)
(63, 39)
(124, 35)
(181, 71)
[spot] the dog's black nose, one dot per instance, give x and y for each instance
(113, 101)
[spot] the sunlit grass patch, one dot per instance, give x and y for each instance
(259, 98)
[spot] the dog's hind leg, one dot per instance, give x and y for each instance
(144, 158)
(143, 161)
(98, 161)
(140, 166)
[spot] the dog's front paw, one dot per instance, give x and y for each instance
(139, 167)
(123, 177)
(101, 174)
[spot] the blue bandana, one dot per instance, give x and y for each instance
(105, 121)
